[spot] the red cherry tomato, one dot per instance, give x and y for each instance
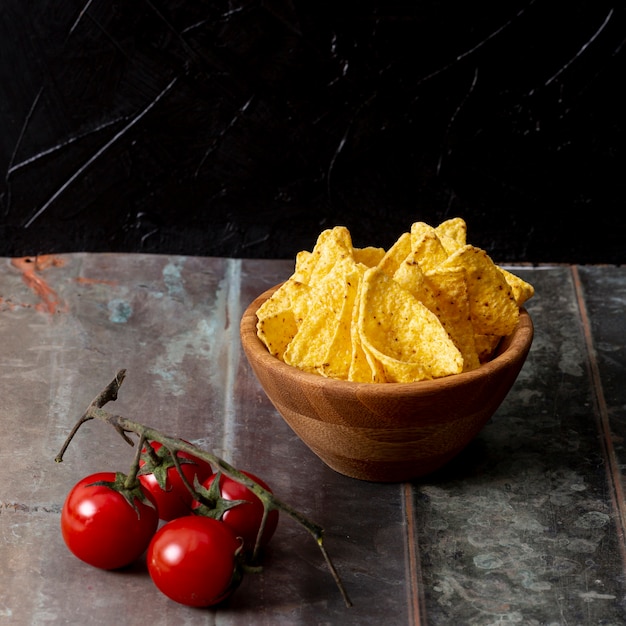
(161, 478)
(245, 518)
(101, 527)
(193, 560)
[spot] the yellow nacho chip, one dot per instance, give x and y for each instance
(305, 262)
(375, 365)
(395, 255)
(492, 306)
(426, 246)
(522, 290)
(340, 352)
(407, 339)
(332, 245)
(451, 304)
(410, 275)
(364, 367)
(322, 343)
(452, 233)
(486, 346)
(279, 316)
(369, 256)
(444, 292)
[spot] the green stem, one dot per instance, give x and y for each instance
(146, 434)
(179, 469)
(131, 479)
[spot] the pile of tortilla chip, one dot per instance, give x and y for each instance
(428, 307)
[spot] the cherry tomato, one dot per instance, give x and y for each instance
(161, 478)
(100, 525)
(193, 560)
(244, 518)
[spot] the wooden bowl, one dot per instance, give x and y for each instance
(386, 432)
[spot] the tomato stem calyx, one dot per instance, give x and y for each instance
(159, 462)
(211, 502)
(132, 494)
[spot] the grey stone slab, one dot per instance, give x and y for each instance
(604, 292)
(172, 322)
(521, 527)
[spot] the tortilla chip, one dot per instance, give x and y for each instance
(332, 245)
(492, 306)
(395, 255)
(402, 333)
(411, 276)
(452, 233)
(426, 246)
(444, 292)
(360, 370)
(450, 303)
(322, 343)
(305, 262)
(340, 352)
(280, 316)
(364, 367)
(522, 290)
(486, 346)
(369, 256)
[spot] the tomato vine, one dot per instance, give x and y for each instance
(146, 434)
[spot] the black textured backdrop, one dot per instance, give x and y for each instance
(243, 128)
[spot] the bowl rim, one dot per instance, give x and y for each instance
(511, 348)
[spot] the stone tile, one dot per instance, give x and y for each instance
(525, 526)
(520, 528)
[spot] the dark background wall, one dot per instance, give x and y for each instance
(243, 128)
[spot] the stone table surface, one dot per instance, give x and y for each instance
(525, 526)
